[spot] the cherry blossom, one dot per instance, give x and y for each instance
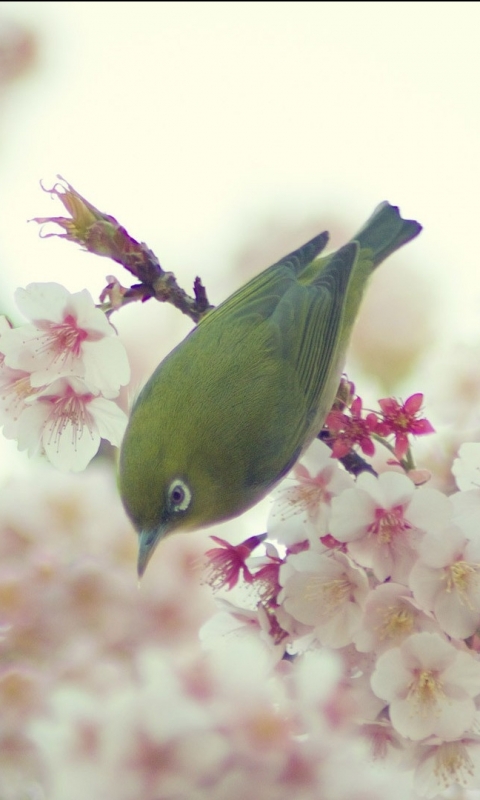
(265, 570)
(350, 429)
(301, 504)
(446, 580)
(390, 616)
(402, 420)
(441, 765)
(383, 519)
(15, 390)
(68, 337)
(429, 686)
(66, 421)
(226, 563)
(229, 620)
(325, 592)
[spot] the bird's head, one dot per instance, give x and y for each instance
(175, 511)
(162, 495)
(167, 488)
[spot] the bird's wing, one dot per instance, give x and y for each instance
(261, 295)
(309, 320)
(293, 326)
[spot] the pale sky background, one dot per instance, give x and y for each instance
(195, 124)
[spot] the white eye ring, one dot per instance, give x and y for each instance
(179, 495)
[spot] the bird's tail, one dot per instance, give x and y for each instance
(385, 231)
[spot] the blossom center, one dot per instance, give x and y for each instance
(388, 523)
(425, 690)
(463, 578)
(308, 496)
(331, 593)
(453, 763)
(69, 410)
(396, 622)
(22, 387)
(64, 337)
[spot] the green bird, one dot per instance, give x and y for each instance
(230, 410)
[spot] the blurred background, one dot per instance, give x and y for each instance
(224, 135)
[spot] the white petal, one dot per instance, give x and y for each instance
(429, 509)
(466, 468)
(316, 457)
(413, 722)
(441, 548)
(370, 484)
(454, 617)
(87, 315)
(465, 672)
(390, 677)
(428, 651)
(425, 584)
(352, 512)
(110, 420)
(454, 717)
(106, 365)
(30, 426)
(71, 449)
(42, 301)
(397, 488)
(466, 511)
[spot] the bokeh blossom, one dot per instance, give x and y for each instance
(466, 467)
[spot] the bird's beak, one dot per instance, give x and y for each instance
(147, 543)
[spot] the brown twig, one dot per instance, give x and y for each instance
(101, 234)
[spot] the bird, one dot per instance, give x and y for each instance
(229, 411)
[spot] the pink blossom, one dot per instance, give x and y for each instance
(265, 570)
(382, 520)
(68, 337)
(389, 617)
(66, 422)
(301, 505)
(15, 390)
(232, 623)
(429, 686)
(402, 420)
(226, 563)
(440, 765)
(325, 592)
(350, 429)
(446, 580)
(385, 743)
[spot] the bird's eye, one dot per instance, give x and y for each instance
(179, 495)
